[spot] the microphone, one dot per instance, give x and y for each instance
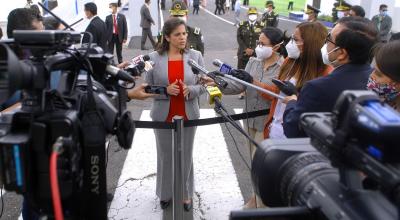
(223, 67)
(214, 94)
(218, 80)
(119, 74)
(140, 58)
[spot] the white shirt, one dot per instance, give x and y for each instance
(276, 128)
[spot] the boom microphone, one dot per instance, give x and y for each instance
(218, 80)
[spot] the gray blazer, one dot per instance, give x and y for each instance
(159, 76)
(383, 25)
(145, 17)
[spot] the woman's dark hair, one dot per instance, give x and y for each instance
(50, 23)
(275, 36)
(169, 26)
(309, 65)
(358, 38)
(91, 7)
(358, 10)
(387, 59)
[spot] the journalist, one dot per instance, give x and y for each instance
(348, 49)
(262, 68)
(304, 63)
(171, 69)
(385, 79)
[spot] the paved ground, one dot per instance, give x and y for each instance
(220, 42)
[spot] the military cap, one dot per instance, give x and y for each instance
(270, 3)
(311, 9)
(344, 6)
(178, 8)
(252, 10)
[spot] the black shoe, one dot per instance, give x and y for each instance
(165, 204)
(188, 206)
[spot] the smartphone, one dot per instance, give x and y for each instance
(162, 90)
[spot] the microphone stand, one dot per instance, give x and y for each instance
(221, 110)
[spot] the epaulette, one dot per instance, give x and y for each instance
(262, 23)
(196, 31)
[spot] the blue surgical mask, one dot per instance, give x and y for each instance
(383, 13)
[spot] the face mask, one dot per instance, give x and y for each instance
(252, 17)
(385, 91)
(263, 52)
(325, 54)
(305, 17)
(183, 18)
(383, 13)
(292, 50)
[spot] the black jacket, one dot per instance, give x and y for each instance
(320, 95)
(121, 25)
(97, 28)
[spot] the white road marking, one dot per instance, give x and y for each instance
(215, 180)
(280, 18)
(161, 16)
(218, 17)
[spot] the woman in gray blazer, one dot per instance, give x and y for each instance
(183, 88)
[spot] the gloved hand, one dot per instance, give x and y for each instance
(286, 87)
(243, 75)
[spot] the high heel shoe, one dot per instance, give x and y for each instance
(188, 206)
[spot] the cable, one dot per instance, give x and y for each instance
(2, 201)
(55, 190)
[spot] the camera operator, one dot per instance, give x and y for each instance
(385, 79)
(347, 48)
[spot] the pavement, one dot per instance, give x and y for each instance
(217, 156)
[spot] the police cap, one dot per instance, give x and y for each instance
(311, 9)
(178, 8)
(252, 10)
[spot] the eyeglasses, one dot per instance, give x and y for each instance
(329, 38)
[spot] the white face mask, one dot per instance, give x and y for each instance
(340, 14)
(252, 17)
(292, 50)
(183, 18)
(263, 52)
(325, 54)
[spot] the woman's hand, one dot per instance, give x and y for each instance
(207, 81)
(139, 93)
(289, 98)
(173, 88)
(185, 88)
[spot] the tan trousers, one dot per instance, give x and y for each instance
(257, 137)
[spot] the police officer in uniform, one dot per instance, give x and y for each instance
(195, 38)
(270, 18)
(247, 35)
(312, 13)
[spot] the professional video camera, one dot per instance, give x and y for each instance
(69, 121)
(349, 172)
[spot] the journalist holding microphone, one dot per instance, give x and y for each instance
(172, 70)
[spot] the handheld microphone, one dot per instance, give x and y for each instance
(140, 58)
(213, 94)
(119, 74)
(223, 67)
(218, 80)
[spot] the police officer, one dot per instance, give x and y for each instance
(312, 13)
(270, 18)
(247, 35)
(195, 38)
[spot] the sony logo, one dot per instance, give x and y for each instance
(94, 174)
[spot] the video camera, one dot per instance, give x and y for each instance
(350, 171)
(71, 120)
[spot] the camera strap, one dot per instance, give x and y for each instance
(94, 138)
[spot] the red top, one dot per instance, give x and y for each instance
(176, 103)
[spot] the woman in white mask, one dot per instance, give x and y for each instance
(263, 68)
(385, 79)
(304, 63)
